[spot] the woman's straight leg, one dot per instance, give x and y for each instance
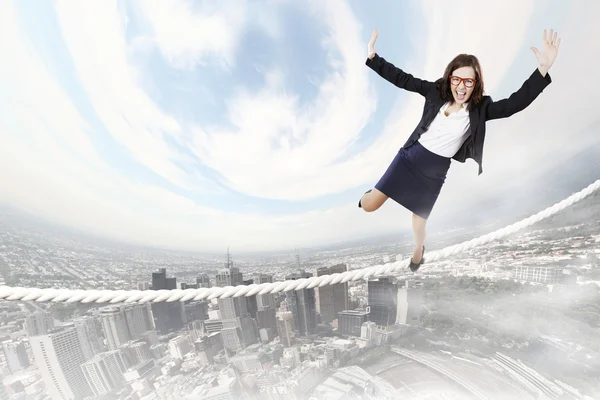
(420, 232)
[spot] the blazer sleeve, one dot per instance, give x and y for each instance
(519, 100)
(398, 77)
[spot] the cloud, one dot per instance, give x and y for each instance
(273, 145)
(55, 172)
(94, 35)
(281, 149)
(188, 35)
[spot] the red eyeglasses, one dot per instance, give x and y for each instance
(456, 80)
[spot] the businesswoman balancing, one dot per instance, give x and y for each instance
(452, 127)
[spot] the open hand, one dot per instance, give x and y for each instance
(371, 51)
(549, 51)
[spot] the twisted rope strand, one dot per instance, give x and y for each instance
(155, 296)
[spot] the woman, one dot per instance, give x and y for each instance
(452, 127)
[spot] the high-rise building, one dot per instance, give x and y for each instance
(333, 299)
(265, 318)
(285, 327)
(135, 352)
(238, 333)
(180, 346)
(15, 355)
(168, 316)
(115, 327)
(251, 302)
(104, 372)
(88, 336)
(125, 322)
(203, 281)
(350, 322)
(139, 319)
(59, 355)
(196, 311)
(264, 300)
(302, 304)
(230, 275)
(209, 346)
(233, 307)
(383, 299)
(38, 323)
(410, 300)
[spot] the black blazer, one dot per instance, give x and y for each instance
(486, 110)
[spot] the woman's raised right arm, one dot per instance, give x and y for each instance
(393, 74)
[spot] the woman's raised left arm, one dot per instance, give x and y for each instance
(533, 86)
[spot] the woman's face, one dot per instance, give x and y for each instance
(462, 83)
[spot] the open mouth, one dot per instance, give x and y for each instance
(460, 95)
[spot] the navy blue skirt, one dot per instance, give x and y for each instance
(415, 178)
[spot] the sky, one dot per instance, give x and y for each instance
(256, 124)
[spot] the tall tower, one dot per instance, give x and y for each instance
(104, 372)
(59, 356)
(39, 323)
(333, 299)
(410, 300)
(383, 300)
(285, 327)
(302, 304)
(169, 316)
(230, 275)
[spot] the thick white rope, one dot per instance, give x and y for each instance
(143, 296)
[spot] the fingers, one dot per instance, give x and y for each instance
(551, 39)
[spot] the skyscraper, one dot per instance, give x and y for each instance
(114, 325)
(203, 281)
(38, 323)
(169, 316)
(410, 300)
(88, 336)
(350, 322)
(264, 300)
(230, 275)
(59, 356)
(302, 304)
(285, 327)
(333, 299)
(104, 372)
(383, 299)
(125, 322)
(15, 356)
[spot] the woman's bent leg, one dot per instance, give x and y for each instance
(372, 200)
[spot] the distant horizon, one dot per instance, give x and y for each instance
(27, 219)
(104, 240)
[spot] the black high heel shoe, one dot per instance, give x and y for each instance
(360, 205)
(414, 267)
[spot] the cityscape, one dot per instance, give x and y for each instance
(516, 318)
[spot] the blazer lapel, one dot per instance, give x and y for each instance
(473, 121)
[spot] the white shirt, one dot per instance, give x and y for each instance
(446, 134)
